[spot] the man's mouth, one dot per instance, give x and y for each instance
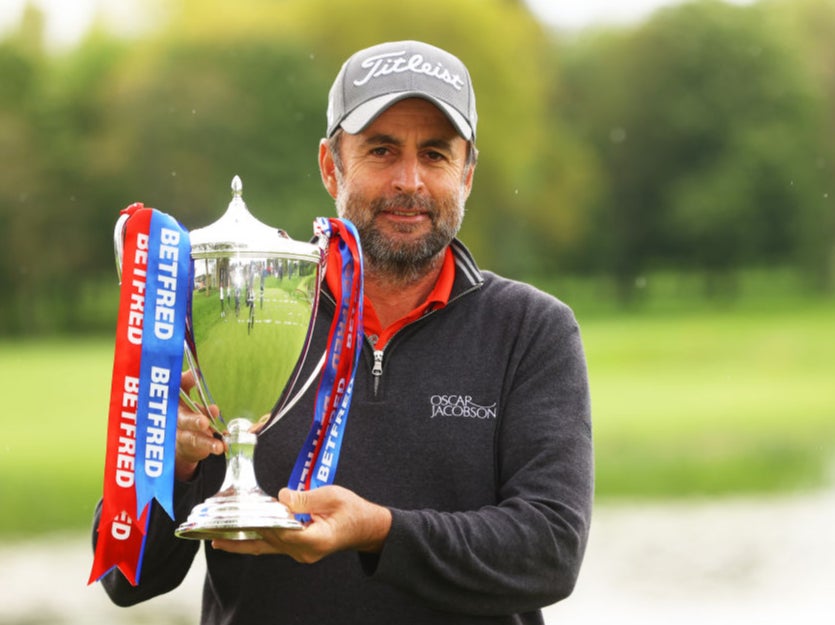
(405, 213)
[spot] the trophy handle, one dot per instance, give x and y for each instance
(218, 423)
(270, 420)
(119, 243)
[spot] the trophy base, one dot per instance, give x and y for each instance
(241, 508)
(236, 516)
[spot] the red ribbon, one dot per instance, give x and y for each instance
(121, 531)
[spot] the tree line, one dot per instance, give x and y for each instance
(700, 139)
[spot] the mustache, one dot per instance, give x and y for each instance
(405, 202)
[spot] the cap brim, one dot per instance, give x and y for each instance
(357, 120)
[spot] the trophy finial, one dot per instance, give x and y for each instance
(237, 186)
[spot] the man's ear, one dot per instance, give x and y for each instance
(468, 180)
(327, 168)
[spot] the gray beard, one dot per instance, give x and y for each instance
(400, 263)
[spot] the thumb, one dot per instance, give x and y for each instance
(298, 501)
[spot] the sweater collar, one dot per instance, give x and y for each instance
(467, 273)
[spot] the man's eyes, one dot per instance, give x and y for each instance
(431, 155)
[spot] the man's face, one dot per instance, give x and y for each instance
(404, 184)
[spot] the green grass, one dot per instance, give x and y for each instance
(55, 397)
(714, 403)
(710, 403)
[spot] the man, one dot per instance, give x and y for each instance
(465, 481)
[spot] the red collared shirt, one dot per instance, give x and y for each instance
(437, 298)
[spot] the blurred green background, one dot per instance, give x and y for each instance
(671, 179)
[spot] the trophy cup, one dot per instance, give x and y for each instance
(253, 306)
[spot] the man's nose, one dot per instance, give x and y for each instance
(408, 176)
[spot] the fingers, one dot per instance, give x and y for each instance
(195, 437)
(297, 544)
(310, 544)
(341, 520)
(250, 547)
(187, 402)
(187, 380)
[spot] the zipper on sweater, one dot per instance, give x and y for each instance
(377, 370)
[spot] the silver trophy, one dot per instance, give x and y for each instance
(253, 306)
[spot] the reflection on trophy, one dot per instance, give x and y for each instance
(253, 305)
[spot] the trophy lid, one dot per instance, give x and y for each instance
(238, 233)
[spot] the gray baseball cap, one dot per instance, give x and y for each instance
(375, 78)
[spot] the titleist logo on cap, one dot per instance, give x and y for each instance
(398, 62)
(378, 77)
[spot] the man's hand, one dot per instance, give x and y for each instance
(340, 520)
(195, 436)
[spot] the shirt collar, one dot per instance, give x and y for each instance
(437, 298)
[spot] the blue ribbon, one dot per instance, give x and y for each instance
(319, 456)
(167, 293)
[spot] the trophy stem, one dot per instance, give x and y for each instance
(240, 459)
(240, 508)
